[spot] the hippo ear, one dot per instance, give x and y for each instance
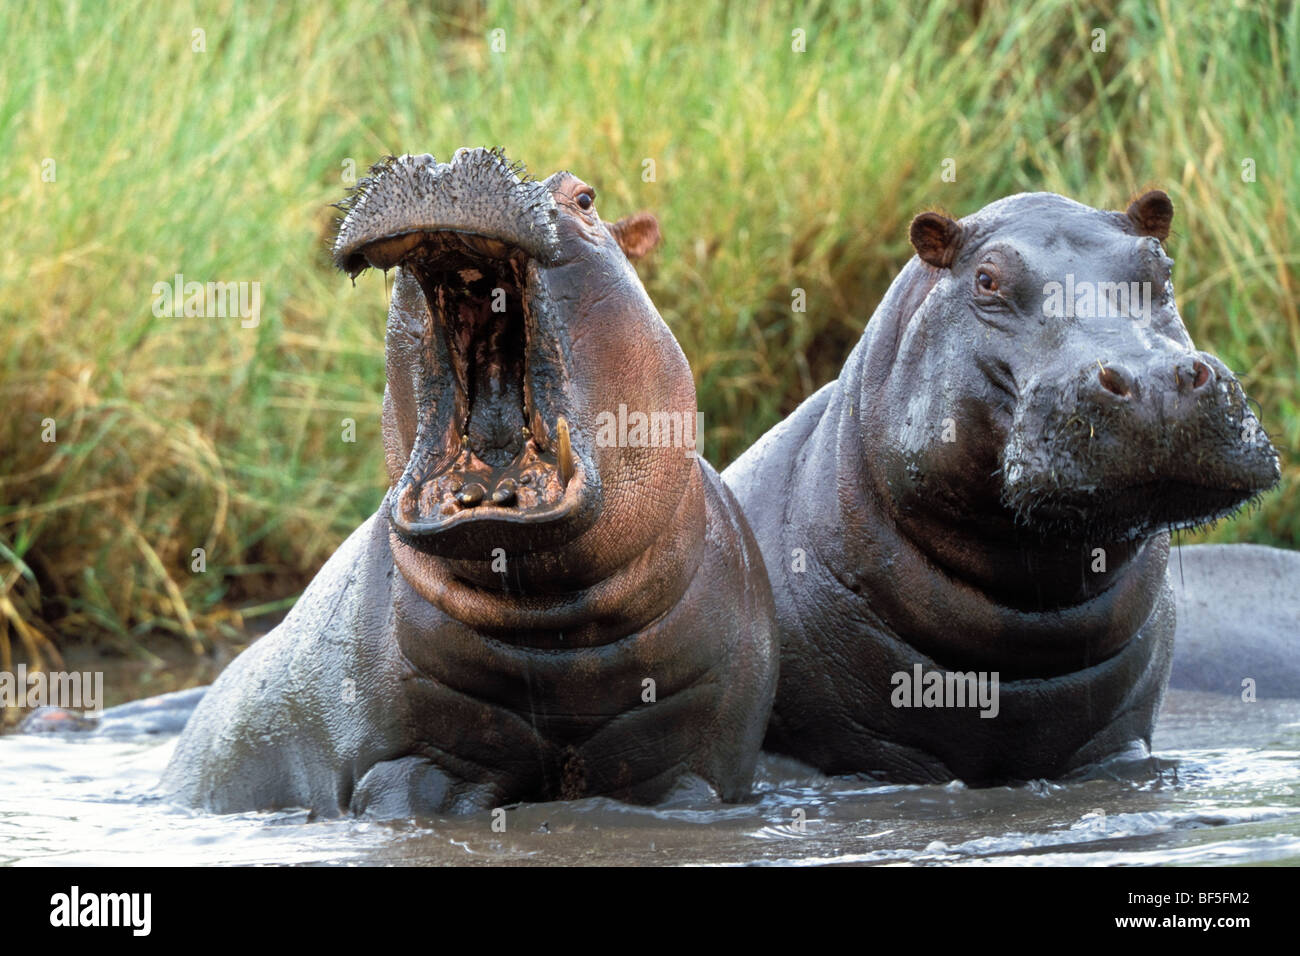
(936, 239)
(636, 234)
(1152, 212)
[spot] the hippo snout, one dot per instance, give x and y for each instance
(479, 196)
(1113, 383)
(1166, 440)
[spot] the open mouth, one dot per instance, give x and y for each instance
(495, 458)
(498, 454)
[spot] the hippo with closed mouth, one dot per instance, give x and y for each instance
(967, 532)
(533, 613)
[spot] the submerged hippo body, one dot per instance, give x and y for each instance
(986, 492)
(533, 613)
(1238, 608)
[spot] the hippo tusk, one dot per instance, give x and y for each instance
(563, 451)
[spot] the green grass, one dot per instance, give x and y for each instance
(775, 170)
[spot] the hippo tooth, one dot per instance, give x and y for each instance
(471, 494)
(505, 492)
(538, 430)
(563, 451)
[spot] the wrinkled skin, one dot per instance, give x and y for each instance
(988, 487)
(488, 635)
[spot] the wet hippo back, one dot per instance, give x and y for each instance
(1238, 608)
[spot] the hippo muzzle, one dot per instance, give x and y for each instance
(1125, 448)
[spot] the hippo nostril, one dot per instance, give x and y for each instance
(1202, 374)
(471, 494)
(1193, 374)
(1114, 380)
(505, 493)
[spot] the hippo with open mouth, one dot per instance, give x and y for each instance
(968, 531)
(534, 613)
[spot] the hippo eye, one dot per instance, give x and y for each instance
(986, 280)
(587, 198)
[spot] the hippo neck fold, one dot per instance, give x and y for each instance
(588, 603)
(934, 606)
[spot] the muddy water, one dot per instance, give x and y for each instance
(1229, 792)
